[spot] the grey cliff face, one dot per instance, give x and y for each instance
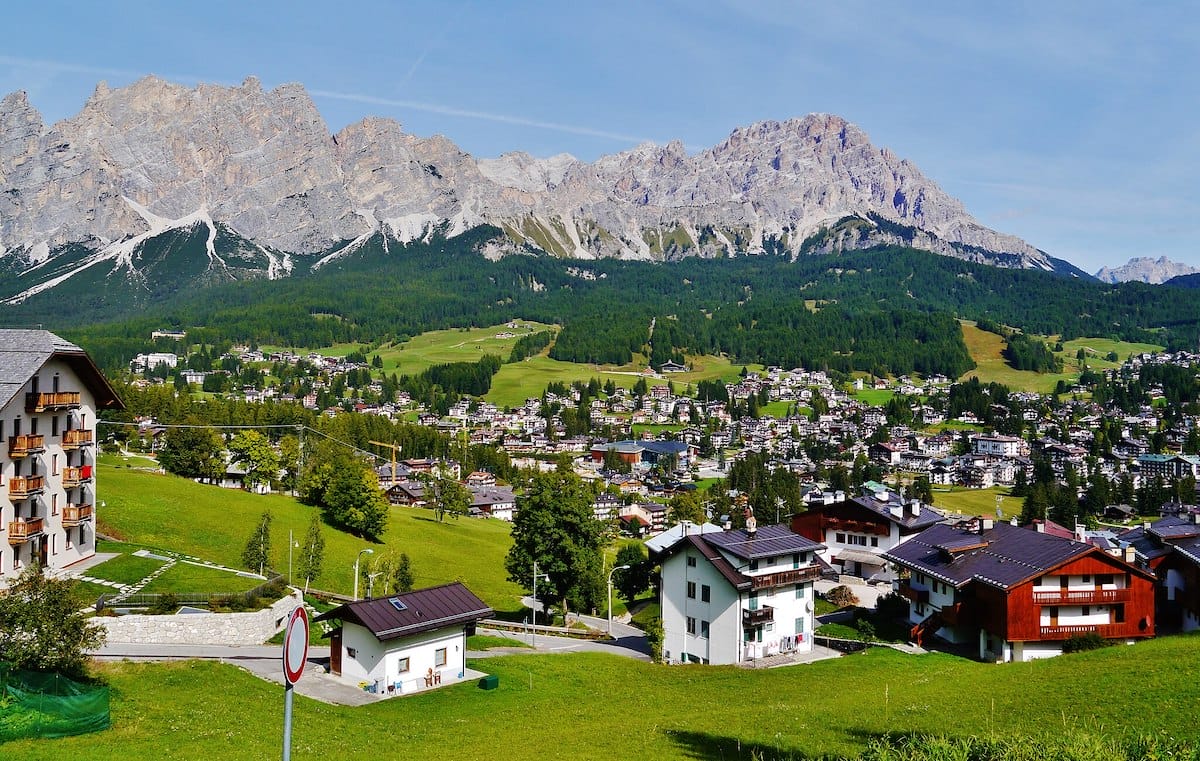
(264, 164)
(1145, 269)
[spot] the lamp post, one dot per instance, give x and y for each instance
(610, 573)
(533, 608)
(358, 557)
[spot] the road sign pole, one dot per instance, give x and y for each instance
(287, 722)
(295, 653)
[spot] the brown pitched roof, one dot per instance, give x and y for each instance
(23, 352)
(414, 612)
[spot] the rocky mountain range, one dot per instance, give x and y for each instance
(1145, 269)
(272, 192)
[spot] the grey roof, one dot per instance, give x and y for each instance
(420, 611)
(736, 579)
(923, 516)
(1144, 543)
(23, 352)
(1174, 527)
(675, 533)
(766, 542)
(1003, 556)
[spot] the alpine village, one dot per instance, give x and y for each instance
(764, 450)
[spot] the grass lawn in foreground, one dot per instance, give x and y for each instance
(582, 705)
(186, 578)
(214, 524)
(125, 568)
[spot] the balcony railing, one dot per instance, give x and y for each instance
(784, 578)
(26, 444)
(1071, 630)
(951, 613)
(73, 515)
(916, 595)
(22, 531)
(57, 400)
(76, 438)
(20, 487)
(72, 477)
(764, 615)
(1081, 596)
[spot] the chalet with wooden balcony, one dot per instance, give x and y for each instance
(857, 531)
(1019, 594)
(733, 597)
(50, 395)
(1170, 549)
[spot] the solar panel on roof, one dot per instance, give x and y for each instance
(397, 604)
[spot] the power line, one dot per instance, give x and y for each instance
(298, 427)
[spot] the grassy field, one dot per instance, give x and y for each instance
(148, 509)
(556, 706)
(976, 501)
(875, 397)
(519, 381)
(124, 569)
(185, 578)
(985, 349)
(439, 347)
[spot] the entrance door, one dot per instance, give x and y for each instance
(41, 552)
(335, 652)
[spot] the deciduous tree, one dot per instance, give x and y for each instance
(41, 627)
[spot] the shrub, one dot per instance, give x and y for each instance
(892, 605)
(866, 629)
(1079, 643)
(166, 604)
(841, 596)
(654, 638)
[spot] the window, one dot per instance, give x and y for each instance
(54, 464)
(704, 629)
(754, 601)
(705, 593)
(691, 625)
(754, 564)
(795, 560)
(691, 561)
(33, 425)
(54, 504)
(351, 652)
(54, 426)
(1104, 579)
(439, 657)
(402, 666)
(691, 590)
(841, 538)
(1087, 610)
(1087, 578)
(799, 625)
(799, 591)
(54, 383)
(874, 541)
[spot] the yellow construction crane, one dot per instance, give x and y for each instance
(395, 451)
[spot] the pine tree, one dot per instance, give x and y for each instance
(257, 555)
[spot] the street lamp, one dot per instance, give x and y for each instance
(610, 573)
(357, 558)
(533, 608)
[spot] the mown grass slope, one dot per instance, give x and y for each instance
(599, 706)
(214, 524)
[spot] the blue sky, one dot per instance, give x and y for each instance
(1073, 125)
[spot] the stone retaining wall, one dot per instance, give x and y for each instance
(203, 628)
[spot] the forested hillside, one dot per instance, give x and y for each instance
(883, 310)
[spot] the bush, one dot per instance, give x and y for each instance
(892, 605)
(166, 604)
(841, 596)
(1079, 643)
(654, 638)
(866, 629)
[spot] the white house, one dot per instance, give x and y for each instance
(1001, 446)
(734, 596)
(50, 391)
(405, 643)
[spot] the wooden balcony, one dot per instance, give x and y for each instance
(73, 515)
(1073, 630)
(22, 531)
(73, 477)
(1082, 596)
(764, 615)
(58, 400)
(951, 614)
(26, 444)
(916, 595)
(76, 438)
(21, 487)
(784, 578)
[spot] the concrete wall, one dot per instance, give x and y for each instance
(203, 628)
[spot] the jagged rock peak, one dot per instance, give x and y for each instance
(1145, 269)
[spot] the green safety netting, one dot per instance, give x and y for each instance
(35, 704)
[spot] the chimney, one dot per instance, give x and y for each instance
(1130, 554)
(1196, 518)
(985, 525)
(1080, 533)
(914, 507)
(1040, 526)
(1012, 521)
(1145, 525)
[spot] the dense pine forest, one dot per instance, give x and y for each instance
(885, 310)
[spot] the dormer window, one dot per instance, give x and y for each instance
(754, 564)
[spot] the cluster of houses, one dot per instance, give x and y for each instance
(993, 589)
